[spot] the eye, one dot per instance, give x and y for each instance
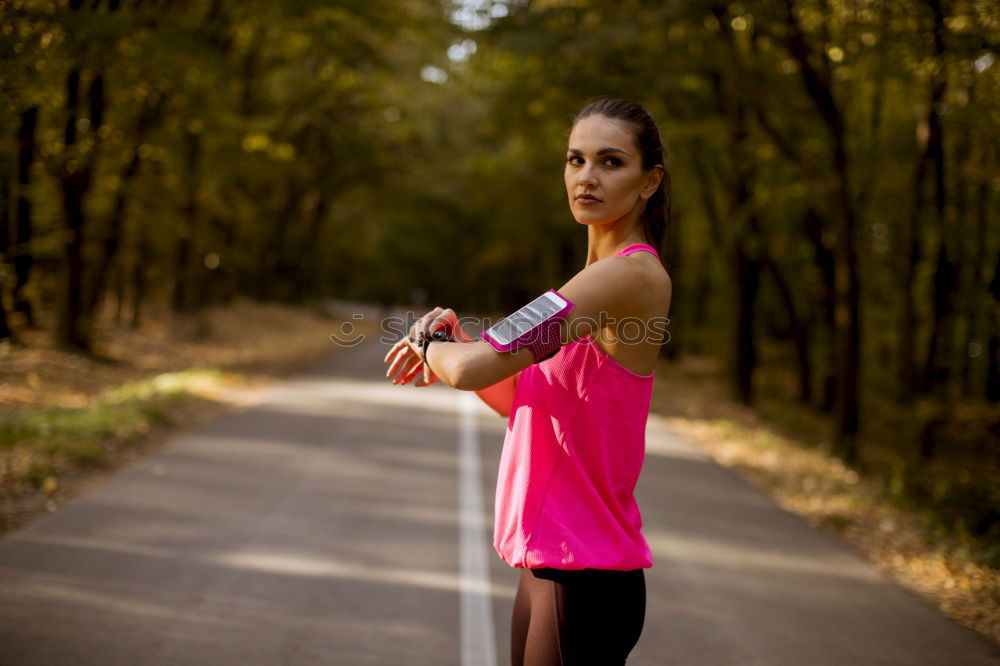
(612, 161)
(575, 160)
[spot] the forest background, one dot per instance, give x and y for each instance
(834, 169)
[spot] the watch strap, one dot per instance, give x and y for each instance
(427, 338)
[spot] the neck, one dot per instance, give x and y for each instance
(603, 240)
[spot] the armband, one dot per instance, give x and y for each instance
(535, 326)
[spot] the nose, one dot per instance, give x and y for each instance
(586, 178)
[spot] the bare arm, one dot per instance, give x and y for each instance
(405, 361)
(455, 364)
(611, 287)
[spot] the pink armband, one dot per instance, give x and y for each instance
(535, 326)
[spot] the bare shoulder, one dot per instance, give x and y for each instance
(619, 287)
(652, 283)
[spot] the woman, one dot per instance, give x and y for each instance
(575, 441)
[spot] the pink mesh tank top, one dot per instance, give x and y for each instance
(572, 454)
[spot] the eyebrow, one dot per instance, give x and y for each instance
(602, 151)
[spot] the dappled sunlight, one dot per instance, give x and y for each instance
(78, 592)
(204, 613)
(662, 440)
(413, 455)
(328, 396)
(94, 543)
(739, 558)
(298, 564)
(325, 395)
(267, 560)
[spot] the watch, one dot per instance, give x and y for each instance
(427, 338)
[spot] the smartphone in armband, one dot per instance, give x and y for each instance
(536, 325)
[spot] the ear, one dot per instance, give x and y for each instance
(653, 178)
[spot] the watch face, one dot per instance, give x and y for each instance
(531, 315)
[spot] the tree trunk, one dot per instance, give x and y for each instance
(23, 259)
(746, 240)
(183, 298)
(118, 282)
(800, 332)
(911, 254)
(946, 270)
(5, 332)
(308, 264)
(747, 273)
(945, 278)
(671, 348)
(812, 226)
(847, 311)
(993, 347)
(972, 385)
(73, 328)
(5, 193)
(846, 286)
(112, 241)
(139, 279)
(706, 189)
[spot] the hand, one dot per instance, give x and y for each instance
(439, 319)
(405, 358)
(406, 363)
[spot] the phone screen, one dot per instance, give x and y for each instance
(534, 313)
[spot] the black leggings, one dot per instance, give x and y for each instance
(566, 618)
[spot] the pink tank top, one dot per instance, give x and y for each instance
(574, 447)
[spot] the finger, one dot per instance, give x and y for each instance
(393, 355)
(418, 324)
(401, 345)
(399, 355)
(426, 379)
(402, 369)
(396, 364)
(423, 324)
(406, 373)
(405, 347)
(413, 370)
(404, 365)
(394, 349)
(445, 321)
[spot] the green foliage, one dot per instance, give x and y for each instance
(47, 442)
(126, 412)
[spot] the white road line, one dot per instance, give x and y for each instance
(477, 636)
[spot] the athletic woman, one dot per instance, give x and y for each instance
(577, 407)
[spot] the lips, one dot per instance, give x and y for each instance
(587, 198)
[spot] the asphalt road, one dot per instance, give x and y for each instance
(324, 525)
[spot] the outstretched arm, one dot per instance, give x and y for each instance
(611, 287)
(406, 364)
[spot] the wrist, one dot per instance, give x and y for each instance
(427, 338)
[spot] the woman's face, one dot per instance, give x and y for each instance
(605, 180)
